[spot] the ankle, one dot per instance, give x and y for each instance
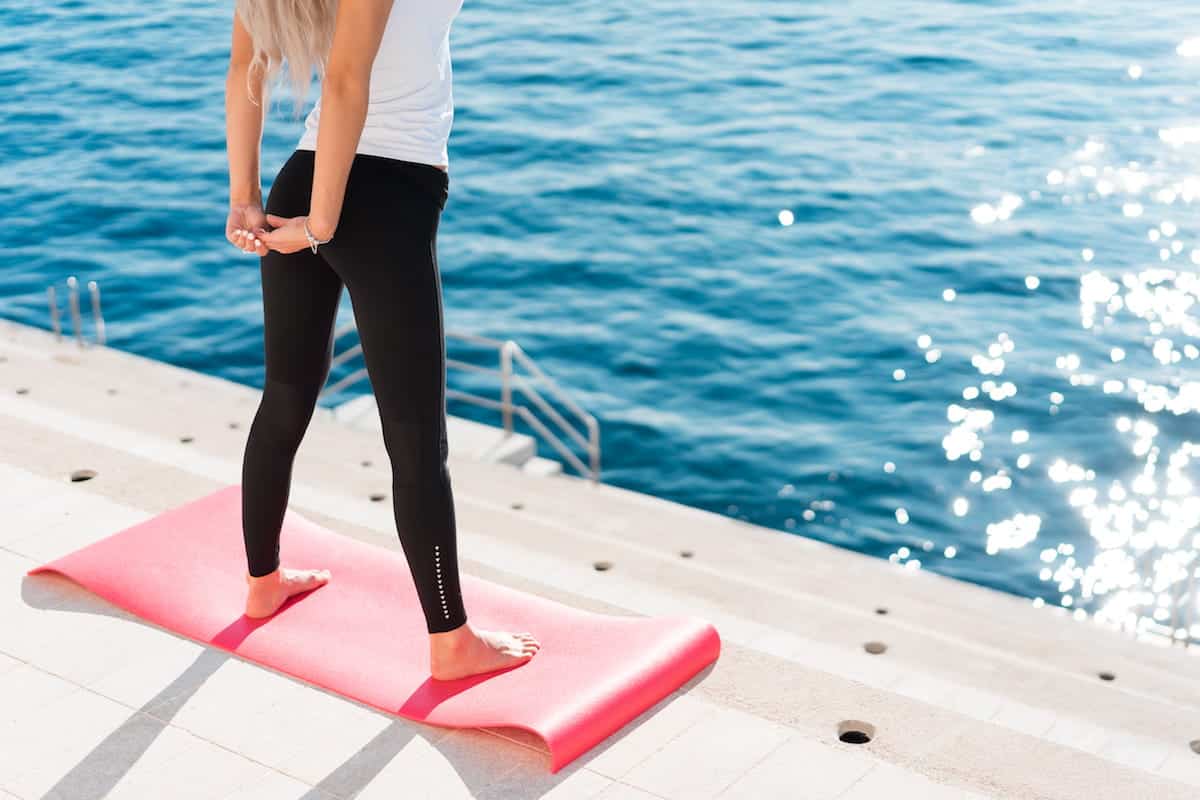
(263, 580)
(449, 640)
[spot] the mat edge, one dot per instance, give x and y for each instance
(701, 647)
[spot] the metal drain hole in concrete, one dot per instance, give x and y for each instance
(853, 731)
(1107, 676)
(235, 425)
(881, 611)
(601, 566)
(377, 496)
(366, 462)
(83, 475)
(517, 506)
(1195, 745)
(875, 648)
(686, 553)
(187, 439)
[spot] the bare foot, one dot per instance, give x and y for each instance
(465, 651)
(268, 592)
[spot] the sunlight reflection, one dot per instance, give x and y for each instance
(1140, 570)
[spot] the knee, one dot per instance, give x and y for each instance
(284, 413)
(416, 451)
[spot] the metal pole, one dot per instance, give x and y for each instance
(97, 318)
(594, 439)
(506, 385)
(73, 298)
(54, 323)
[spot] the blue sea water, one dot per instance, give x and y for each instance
(915, 278)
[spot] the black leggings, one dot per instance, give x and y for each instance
(385, 252)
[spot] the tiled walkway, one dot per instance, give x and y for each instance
(977, 695)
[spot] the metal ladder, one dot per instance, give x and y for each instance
(73, 306)
(509, 354)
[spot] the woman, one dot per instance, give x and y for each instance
(357, 203)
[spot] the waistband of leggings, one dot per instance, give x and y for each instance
(389, 161)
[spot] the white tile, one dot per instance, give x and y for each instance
(82, 641)
(647, 733)
(974, 703)
(31, 501)
(923, 687)
(284, 724)
(30, 615)
(843, 660)
(267, 784)
(51, 744)
(708, 756)
(580, 785)
(7, 663)
(24, 690)
(460, 765)
(1138, 752)
(623, 791)
(53, 504)
(323, 731)
(800, 769)
(531, 777)
(191, 769)
(1077, 733)
(21, 489)
(143, 770)
(778, 643)
(89, 522)
(878, 671)
(1024, 718)
(1182, 765)
(894, 783)
(161, 659)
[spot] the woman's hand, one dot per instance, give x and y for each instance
(245, 227)
(287, 235)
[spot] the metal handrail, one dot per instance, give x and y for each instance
(509, 353)
(76, 317)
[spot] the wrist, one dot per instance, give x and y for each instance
(320, 229)
(246, 198)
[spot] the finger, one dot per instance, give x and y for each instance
(249, 242)
(277, 220)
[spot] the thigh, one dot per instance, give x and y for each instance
(396, 299)
(386, 256)
(300, 293)
(300, 300)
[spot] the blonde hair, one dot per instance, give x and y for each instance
(299, 32)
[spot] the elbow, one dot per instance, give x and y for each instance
(345, 85)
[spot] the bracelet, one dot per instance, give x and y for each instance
(312, 240)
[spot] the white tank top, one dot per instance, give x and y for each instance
(411, 105)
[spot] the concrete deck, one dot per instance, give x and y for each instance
(978, 694)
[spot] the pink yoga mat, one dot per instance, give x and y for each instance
(184, 570)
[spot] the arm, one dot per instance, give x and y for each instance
(243, 134)
(345, 88)
(243, 120)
